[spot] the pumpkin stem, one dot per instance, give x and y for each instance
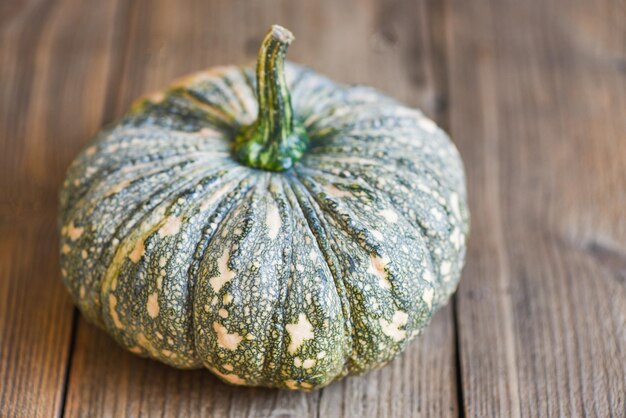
(276, 139)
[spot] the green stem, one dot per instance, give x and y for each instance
(276, 140)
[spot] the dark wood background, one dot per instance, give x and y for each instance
(533, 93)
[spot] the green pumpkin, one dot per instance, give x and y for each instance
(281, 230)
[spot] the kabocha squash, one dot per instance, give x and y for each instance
(279, 229)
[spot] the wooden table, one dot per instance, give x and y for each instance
(534, 95)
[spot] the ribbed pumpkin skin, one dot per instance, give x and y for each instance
(282, 279)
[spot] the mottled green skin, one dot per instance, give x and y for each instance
(283, 279)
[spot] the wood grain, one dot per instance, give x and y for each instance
(534, 94)
(47, 108)
(385, 49)
(538, 98)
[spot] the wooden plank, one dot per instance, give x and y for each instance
(53, 69)
(370, 42)
(538, 98)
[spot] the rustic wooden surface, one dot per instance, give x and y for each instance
(534, 95)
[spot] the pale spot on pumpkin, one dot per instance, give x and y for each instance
(223, 313)
(74, 232)
(170, 227)
(376, 234)
(152, 306)
(392, 329)
(308, 363)
(159, 282)
(228, 367)
(389, 215)
(306, 385)
(230, 378)
(377, 268)
(335, 192)
(84, 254)
(455, 206)
(227, 298)
(297, 361)
(90, 151)
(225, 274)
(427, 296)
(425, 189)
(90, 171)
(272, 221)
(291, 384)
(162, 261)
(428, 276)
(229, 341)
(456, 238)
(81, 291)
(321, 354)
(114, 316)
(446, 266)
(250, 337)
(428, 125)
(76, 182)
(166, 352)
(313, 255)
(156, 97)
(299, 333)
(135, 349)
(436, 214)
(65, 249)
(137, 252)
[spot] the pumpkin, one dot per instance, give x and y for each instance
(277, 228)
